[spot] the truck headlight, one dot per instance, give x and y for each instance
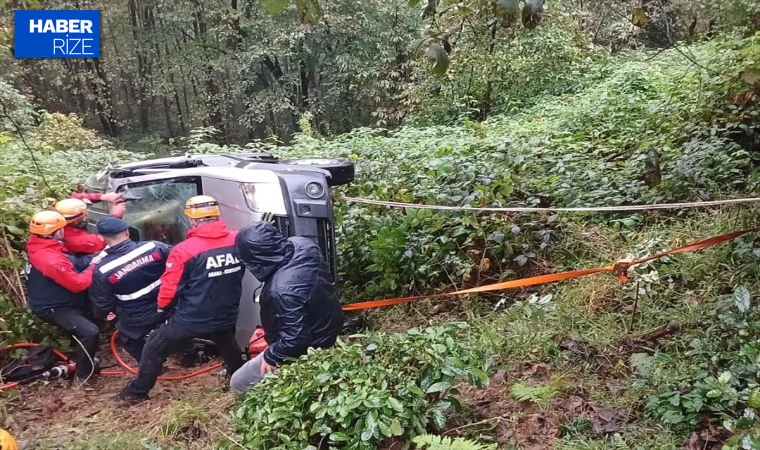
(264, 197)
(314, 190)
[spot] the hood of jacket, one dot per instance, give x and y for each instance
(262, 249)
(215, 229)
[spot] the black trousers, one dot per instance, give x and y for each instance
(73, 321)
(171, 337)
(134, 346)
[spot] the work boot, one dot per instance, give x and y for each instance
(129, 398)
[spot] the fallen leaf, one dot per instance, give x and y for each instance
(606, 413)
(640, 17)
(694, 443)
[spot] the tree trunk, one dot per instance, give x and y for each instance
(142, 70)
(103, 98)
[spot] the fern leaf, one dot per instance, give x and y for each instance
(433, 442)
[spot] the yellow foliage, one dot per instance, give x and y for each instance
(67, 132)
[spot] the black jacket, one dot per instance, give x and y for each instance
(299, 301)
(126, 281)
(204, 280)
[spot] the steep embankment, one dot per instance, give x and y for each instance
(576, 365)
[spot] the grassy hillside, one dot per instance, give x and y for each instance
(585, 364)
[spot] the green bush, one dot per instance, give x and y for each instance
(723, 370)
(355, 394)
(20, 325)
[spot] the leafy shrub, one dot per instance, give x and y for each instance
(20, 325)
(67, 132)
(723, 370)
(354, 395)
(34, 174)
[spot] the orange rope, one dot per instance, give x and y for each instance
(618, 269)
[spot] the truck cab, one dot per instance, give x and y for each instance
(296, 192)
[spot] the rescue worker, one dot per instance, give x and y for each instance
(76, 238)
(299, 304)
(57, 291)
(126, 281)
(204, 279)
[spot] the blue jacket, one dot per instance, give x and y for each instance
(126, 281)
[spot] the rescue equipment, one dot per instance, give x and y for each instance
(256, 344)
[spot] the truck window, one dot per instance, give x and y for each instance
(158, 214)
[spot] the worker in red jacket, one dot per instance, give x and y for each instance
(203, 284)
(57, 290)
(76, 238)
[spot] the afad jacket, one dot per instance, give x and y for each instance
(299, 301)
(52, 280)
(203, 280)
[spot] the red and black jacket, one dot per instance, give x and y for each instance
(78, 240)
(51, 279)
(204, 279)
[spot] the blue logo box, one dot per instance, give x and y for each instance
(48, 33)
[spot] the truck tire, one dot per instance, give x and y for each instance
(341, 170)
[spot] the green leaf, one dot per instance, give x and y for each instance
(438, 387)
(438, 58)
(715, 393)
(751, 75)
(395, 404)
(396, 429)
(742, 298)
(439, 418)
(309, 11)
(413, 3)
(339, 437)
(274, 7)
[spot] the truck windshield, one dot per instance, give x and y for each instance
(158, 213)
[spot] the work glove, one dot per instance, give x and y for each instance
(267, 217)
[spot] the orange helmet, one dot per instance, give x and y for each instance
(201, 207)
(72, 209)
(6, 441)
(45, 223)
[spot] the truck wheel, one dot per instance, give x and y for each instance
(341, 170)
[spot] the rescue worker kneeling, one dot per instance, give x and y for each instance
(204, 279)
(299, 301)
(126, 281)
(57, 291)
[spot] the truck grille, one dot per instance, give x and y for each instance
(325, 238)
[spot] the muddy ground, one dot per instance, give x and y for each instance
(63, 414)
